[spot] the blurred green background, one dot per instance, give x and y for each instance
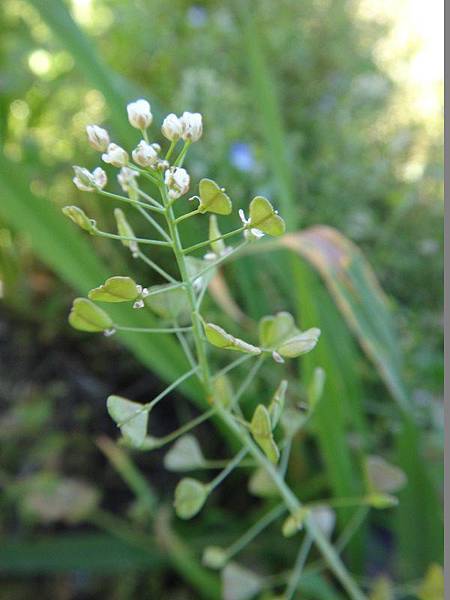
(332, 108)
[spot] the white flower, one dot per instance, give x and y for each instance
(97, 137)
(145, 154)
(192, 126)
(126, 178)
(87, 181)
(139, 114)
(172, 127)
(253, 232)
(177, 180)
(115, 156)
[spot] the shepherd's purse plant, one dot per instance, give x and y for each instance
(156, 185)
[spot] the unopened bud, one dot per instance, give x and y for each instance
(172, 127)
(97, 137)
(115, 156)
(139, 114)
(144, 154)
(192, 126)
(177, 180)
(87, 181)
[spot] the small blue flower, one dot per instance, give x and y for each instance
(197, 16)
(241, 156)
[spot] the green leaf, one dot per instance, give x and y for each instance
(239, 583)
(382, 476)
(86, 316)
(276, 405)
(265, 218)
(261, 430)
(190, 496)
(116, 289)
(213, 198)
(80, 218)
(130, 417)
(220, 338)
(184, 455)
(299, 344)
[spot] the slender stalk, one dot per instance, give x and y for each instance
(180, 158)
(232, 365)
(221, 260)
(293, 504)
(157, 268)
(255, 530)
(208, 242)
(166, 288)
(152, 329)
(154, 223)
(173, 143)
(247, 381)
(170, 437)
(149, 199)
(187, 216)
(297, 571)
(129, 201)
(186, 349)
(234, 462)
(121, 238)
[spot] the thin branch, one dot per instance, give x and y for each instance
(121, 238)
(152, 330)
(208, 242)
(156, 267)
(129, 201)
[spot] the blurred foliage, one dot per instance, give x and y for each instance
(355, 161)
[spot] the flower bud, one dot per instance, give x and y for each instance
(177, 180)
(97, 137)
(127, 179)
(115, 156)
(145, 155)
(172, 127)
(139, 114)
(192, 126)
(87, 181)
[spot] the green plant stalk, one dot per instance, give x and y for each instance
(297, 571)
(292, 502)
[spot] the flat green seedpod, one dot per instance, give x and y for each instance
(218, 246)
(275, 329)
(190, 496)
(382, 476)
(169, 302)
(220, 338)
(213, 198)
(80, 218)
(214, 557)
(86, 316)
(222, 391)
(130, 417)
(381, 501)
(276, 406)
(184, 455)
(239, 583)
(265, 218)
(315, 387)
(299, 344)
(295, 522)
(261, 484)
(116, 289)
(124, 229)
(261, 430)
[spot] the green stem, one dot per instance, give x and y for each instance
(234, 462)
(150, 199)
(208, 242)
(156, 268)
(233, 364)
(122, 238)
(255, 530)
(132, 202)
(187, 216)
(173, 143)
(170, 437)
(154, 223)
(293, 504)
(180, 158)
(152, 329)
(221, 260)
(297, 571)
